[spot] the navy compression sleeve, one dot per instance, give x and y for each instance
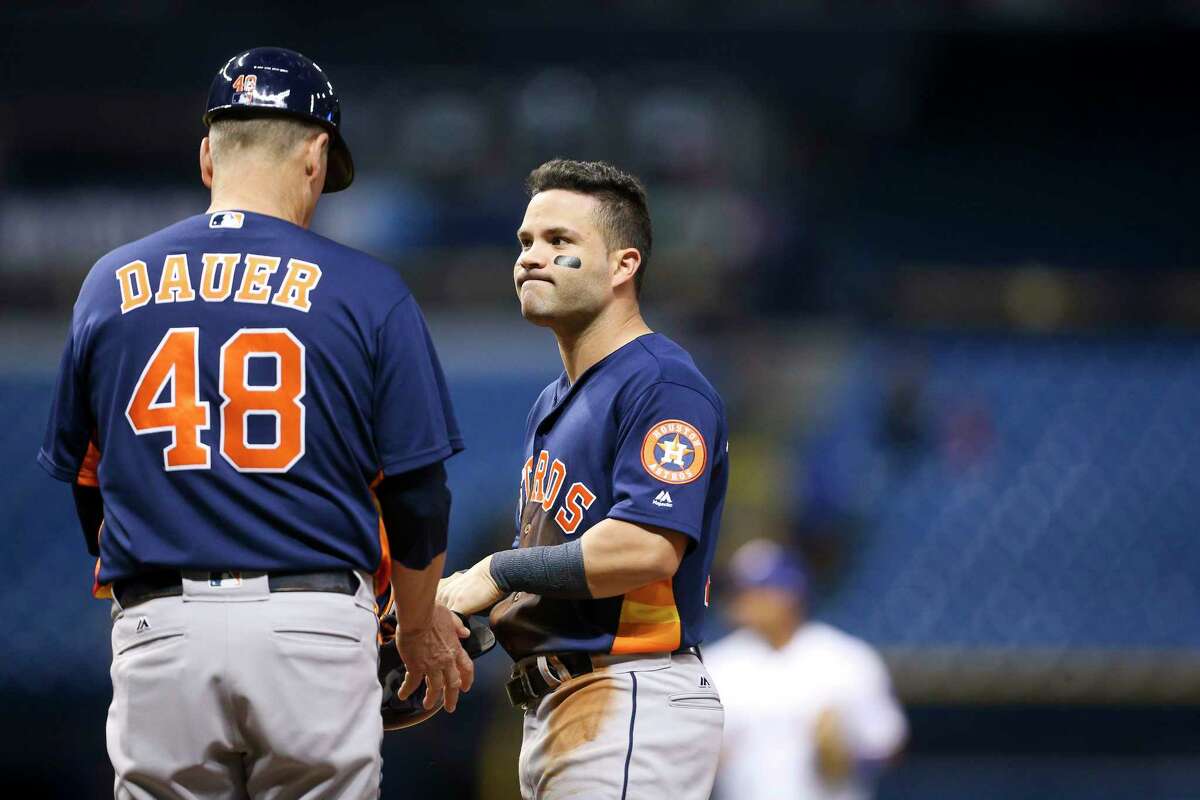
(415, 506)
(89, 507)
(555, 570)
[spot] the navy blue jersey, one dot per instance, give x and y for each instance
(234, 384)
(640, 437)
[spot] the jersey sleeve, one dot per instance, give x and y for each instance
(875, 722)
(414, 422)
(67, 451)
(665, 457)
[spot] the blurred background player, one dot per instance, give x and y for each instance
(809, 709)
(238, 403)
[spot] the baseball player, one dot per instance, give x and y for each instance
(239, 405)
(828, 723)
(601, 602)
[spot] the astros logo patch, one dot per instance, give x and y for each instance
(674, 452)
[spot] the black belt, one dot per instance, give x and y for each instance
(537, 676)
(131, 591)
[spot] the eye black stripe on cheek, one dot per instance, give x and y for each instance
(568, 261)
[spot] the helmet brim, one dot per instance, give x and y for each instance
(339, 169)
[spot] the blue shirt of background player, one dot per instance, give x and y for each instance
(375, 400)
(606, 430)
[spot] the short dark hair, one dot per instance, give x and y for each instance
(623, 216)
(275, 135)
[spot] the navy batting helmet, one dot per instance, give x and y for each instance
(273, 81)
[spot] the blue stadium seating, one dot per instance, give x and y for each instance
(1051, 499)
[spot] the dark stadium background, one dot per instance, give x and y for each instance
(941, 258)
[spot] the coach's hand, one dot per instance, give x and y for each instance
(472, 591)
(434, 654)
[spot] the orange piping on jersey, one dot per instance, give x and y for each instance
(649, 621)
(86, 476)
(100, 591)
(383, 572)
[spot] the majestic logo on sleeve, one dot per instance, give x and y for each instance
(674, 452)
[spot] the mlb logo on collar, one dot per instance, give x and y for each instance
(227, 219)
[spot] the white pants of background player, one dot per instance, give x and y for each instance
(233, 691)
(638, 728)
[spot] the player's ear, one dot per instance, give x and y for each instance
(206, 163)
(626, 262)
(316, 152)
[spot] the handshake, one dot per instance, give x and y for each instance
(402, 704)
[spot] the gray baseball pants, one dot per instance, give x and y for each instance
(638, 728)
(232, 691)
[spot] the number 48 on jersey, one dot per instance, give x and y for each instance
(174, 367)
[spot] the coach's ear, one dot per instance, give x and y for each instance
(316, 159)
(206, 164)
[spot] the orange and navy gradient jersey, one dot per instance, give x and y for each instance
(640, 437)
(243, 381)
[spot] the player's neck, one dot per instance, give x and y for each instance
(266, 197)
(610, 331)
(781, 637)
(782, 630)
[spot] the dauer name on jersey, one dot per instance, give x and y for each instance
(234, 384)
(216, 281)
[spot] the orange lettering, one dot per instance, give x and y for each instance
(301, 279)
(175, 284)
(558, 471)
(539, 475)
(216, 281)
(258, 271)
(282, 401)
(174, 362)
(579, 499)
(135, 285)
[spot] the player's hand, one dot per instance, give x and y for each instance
(834, 760)
(434, 654)
(472, 591)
